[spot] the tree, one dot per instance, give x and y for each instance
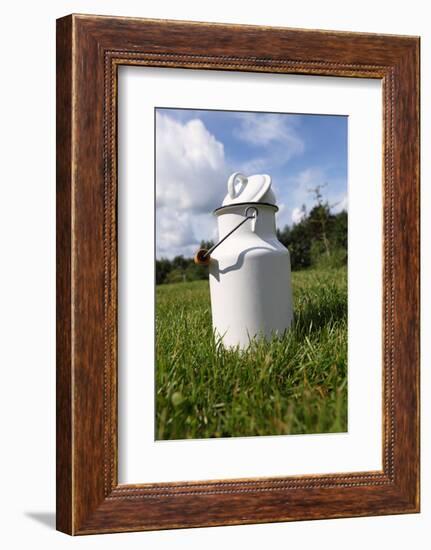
(175, 276)
(320, 217)
(339, 229)
(319, 234)
(179, 262)
(163, 267)
(297, 240)
(319, 238)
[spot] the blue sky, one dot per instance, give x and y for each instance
(197, 150)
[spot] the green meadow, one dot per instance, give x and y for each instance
(293, 385)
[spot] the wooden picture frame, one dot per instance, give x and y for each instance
(89, 51)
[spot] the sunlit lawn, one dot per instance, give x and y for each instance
(291, 386)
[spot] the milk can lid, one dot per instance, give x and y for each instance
(256, 188)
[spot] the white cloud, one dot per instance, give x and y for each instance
(267, 129)
(174, 231)
(298, 214)
(304, 183)
(192, 170)
(342, 203)
(283, 216)
(191, 176)
(190, 162)
(276, 134)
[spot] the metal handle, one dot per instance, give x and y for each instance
(202, 256)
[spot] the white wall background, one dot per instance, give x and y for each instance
(27, 279)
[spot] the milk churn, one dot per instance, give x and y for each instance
(249, 269)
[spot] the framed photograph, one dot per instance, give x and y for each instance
(237, 274)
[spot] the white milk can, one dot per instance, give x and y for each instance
(249, 269)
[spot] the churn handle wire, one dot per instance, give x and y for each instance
(202, 256)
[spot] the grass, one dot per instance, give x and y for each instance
(295, 385)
